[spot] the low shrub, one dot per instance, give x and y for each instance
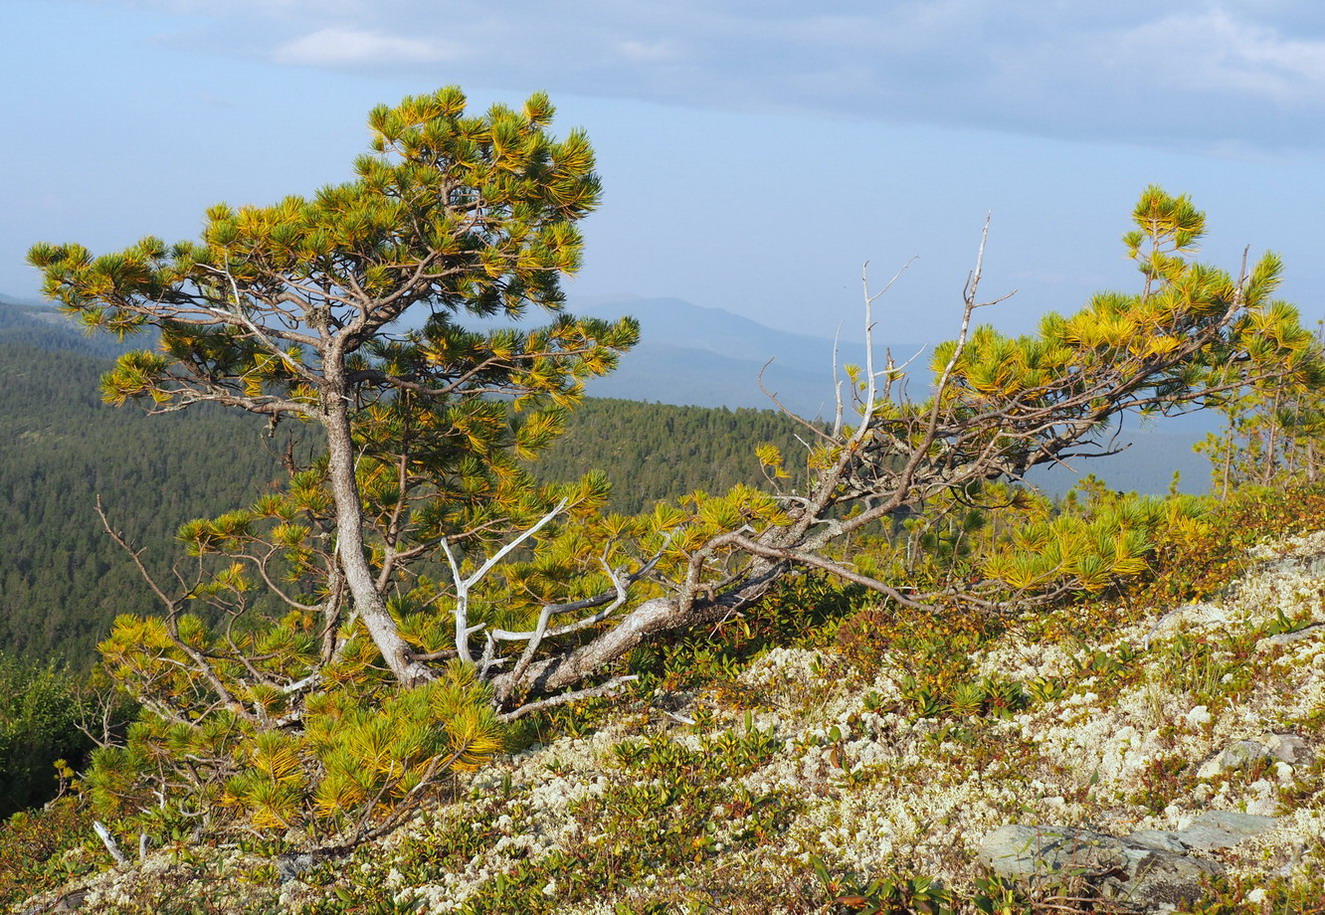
(40, 710)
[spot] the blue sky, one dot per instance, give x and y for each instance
(754, 153)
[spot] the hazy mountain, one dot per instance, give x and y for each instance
(675, 322)
(711, 357)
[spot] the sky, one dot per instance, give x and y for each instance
(755, 155)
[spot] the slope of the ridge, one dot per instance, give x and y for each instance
(802, 778)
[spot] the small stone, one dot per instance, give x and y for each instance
(1241, 754)
(292, 866)
(1244, 754)
(70, 902)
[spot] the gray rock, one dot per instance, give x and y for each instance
(1224, 829)
(1290, 748)
(1131, 871)
(1243, 754)
(70, 902)
(1036, 851)
(292, 866)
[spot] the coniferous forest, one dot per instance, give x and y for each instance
(61, 580)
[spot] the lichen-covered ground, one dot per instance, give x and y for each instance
(804, 776)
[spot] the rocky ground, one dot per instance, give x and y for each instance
(1174, 765)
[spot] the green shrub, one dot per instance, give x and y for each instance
(37, 849)
(40, 709)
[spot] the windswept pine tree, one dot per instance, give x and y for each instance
(290, 312)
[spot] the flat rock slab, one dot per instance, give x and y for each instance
(1223, 829)
(1141, 873)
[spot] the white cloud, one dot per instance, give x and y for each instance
(342, 46)
(1216, 51)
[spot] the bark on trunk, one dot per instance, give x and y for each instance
(368, 601)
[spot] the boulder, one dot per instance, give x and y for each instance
(1143, 873)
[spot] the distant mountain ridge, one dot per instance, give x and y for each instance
(709, 357)
(680, 323)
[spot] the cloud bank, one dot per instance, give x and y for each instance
(1189, 73)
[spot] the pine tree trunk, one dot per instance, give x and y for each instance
(368, 601)
(1228, 464)
(1272, 442)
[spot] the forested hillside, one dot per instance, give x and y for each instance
(61, 579)
(658, 451)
